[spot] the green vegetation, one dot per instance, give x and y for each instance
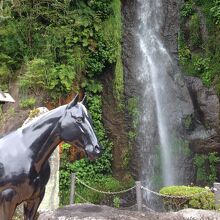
(53, 47)
(28, 103)
(57, 43)
(188, 122)
(215, 12)
(119, 76)
(187, 9)
(133, 111)
(191, 197)
(116, 202)
(96, 174)
(108, 184)
(206, 168)
(5, 116)
(134, 114)
(199, 51)
(86, 170)
(194, 29)
(41, 76)
(199, 46)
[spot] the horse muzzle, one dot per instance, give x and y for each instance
(93, 152)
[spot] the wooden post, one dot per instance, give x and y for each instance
(72, 188)
(217, 195)
(139, 195)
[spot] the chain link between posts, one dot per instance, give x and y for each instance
(143, 188)
(82, 198)
(173, 197)
(105, 192)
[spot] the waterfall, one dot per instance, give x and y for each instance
(153, 66)
(161, 152)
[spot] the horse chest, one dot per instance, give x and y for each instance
(28, 190)
(34, 183)
(15, 159)
(22, 177)
(12, 167)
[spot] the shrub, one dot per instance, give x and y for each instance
(184, 55)
(35, 76)
(195, 35)
(54, 79)
(191, 197)
(27, 103)
(4, 76)
(187, 9)
(116, 202)
(215, 12)
(103, 183)
(206, 167)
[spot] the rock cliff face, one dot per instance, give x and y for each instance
(115, 125)
(180, 102)
(130, 21)
(204, 127)
(13, 117)
(191, 101)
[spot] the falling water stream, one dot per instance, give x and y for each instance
(153, 64)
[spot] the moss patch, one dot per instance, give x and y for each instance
(200, 198)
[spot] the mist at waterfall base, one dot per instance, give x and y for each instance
(156, 127)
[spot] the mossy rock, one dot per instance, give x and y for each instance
(187, 197)
(188, 122)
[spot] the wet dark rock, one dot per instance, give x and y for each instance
(205, 102)
(132, 89)
(170, 27)
(114, 122)
(204, 136)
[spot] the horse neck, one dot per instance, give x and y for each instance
(43, 136)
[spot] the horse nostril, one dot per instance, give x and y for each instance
(97, 149)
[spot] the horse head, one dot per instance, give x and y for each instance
(76, 128)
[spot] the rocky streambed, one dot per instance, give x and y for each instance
(96, 212)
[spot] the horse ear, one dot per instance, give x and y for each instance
(84, 100)
(73, 102)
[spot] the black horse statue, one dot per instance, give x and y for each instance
(24, 154)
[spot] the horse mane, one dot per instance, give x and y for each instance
(34, 120)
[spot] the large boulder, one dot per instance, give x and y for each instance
(204, 124)
(96, 212)
(205, 101)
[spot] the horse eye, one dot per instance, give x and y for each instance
(79, 120)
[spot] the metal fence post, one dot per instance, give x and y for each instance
(72, 188)
(139, 195)
(217, 195)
